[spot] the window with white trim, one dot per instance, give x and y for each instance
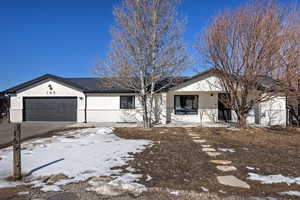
(127, 102)
(186, 104)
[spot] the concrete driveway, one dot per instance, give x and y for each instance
(29, 129)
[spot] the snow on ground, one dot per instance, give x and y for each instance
(116, 187)
(273, 179)
(79, 155)
(250, 168)
(176, 193)
(23, 193)
(291, 193)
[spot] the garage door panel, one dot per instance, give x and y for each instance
(50, 109)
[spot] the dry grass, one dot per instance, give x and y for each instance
(175, 161)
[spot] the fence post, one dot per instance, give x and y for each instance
(17, 151)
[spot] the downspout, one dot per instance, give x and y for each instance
(85, 108)
(9, 105)
(287, 117)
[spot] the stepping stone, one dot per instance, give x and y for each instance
(204, 189)
(200, 141)
(205, 145)
(221, 162)
(208, 149)
(233, 129)
(213, 154)
(193, 135)
(232, 181)
(227, 150)
(226, 168)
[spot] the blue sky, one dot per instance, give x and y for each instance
(67, 37)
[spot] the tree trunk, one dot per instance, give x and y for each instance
(242, 120)
(146, 123)
(298, 114)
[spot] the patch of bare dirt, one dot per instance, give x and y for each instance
(175, 161)
(12, 193)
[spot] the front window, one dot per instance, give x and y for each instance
(186, 104)
(127, 102)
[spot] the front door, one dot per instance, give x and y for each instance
(224, 113)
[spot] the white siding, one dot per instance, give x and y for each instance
(203, 84)
(106, 108)
(42, 90)
(273, 112)
(207, 107)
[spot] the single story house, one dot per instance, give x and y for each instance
(196, 99)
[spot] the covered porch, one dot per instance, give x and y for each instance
(199, 107)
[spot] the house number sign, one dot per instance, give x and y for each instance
(50, 91)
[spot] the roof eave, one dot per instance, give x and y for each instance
(108, 91)
(21, 86)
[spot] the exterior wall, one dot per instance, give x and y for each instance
(207, 88)
(204, 84)
(273, 112)
(207, 108)
(106, 108)
(42, 90)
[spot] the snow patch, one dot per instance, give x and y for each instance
(273, 179)
(119, 186)
(51, 188)
(148, 178)
(204, 189)
(250, 168)
(79, 155)
(291, 193)
(23, 193)
(176, 193)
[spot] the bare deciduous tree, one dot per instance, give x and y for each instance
(147, 48)
(246, 47)
(291, 66)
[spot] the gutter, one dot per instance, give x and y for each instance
(85, 108)
(287, 112)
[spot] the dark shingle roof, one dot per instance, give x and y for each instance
(39, 79)
(94, 85)
(90, 85)
(100, 85)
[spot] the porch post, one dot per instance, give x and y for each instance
(163, 115)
